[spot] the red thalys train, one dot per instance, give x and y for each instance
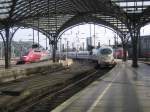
(34, 55)
(118, 53)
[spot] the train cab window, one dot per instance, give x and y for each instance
(37, 50)
(106, 51)
(25, 53)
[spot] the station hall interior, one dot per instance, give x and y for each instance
(52, 18)
(74, 55)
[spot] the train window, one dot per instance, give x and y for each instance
(37, 50)
(25, 53)
(106, 51)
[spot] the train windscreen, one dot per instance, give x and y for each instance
(106, 51)
(25, 53)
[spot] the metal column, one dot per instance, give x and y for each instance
(124, 51)
(135, 37)
(33, 37)
(38, 34)
(54, 47)
(7, 48)
(46, 43)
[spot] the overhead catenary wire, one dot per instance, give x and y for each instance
(30, 6)
(33, 33)
(38, 33)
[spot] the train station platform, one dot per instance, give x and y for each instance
(123, 89)
(16, 72)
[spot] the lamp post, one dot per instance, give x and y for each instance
(20, 48)
(67, 50)
(94, 35)
(99, 44)
(1, 42)
(83, 46)
(60, 50)
(46, 44)
(66, 47)
(33, 36)
(115, 44)
(1, 51)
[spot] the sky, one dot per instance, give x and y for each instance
(76, 35)
(27, 35)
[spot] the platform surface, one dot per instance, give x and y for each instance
(124, 89)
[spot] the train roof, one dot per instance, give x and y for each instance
(106, 47)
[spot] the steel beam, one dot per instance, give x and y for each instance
(80, 18)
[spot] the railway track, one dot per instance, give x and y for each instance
(40, 93)
(50, 101)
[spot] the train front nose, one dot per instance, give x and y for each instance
(106, 58)
(23, 58)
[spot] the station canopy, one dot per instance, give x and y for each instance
(53, 16)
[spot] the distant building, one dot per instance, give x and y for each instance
(88, 42)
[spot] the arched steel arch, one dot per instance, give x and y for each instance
(99, 24)
(144, 23)
(80, 18)
(27, 26)
(144, 18)
(33, 27)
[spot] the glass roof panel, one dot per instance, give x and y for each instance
(5, 7)
(132, 6)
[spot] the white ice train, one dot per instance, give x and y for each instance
(103, 55)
